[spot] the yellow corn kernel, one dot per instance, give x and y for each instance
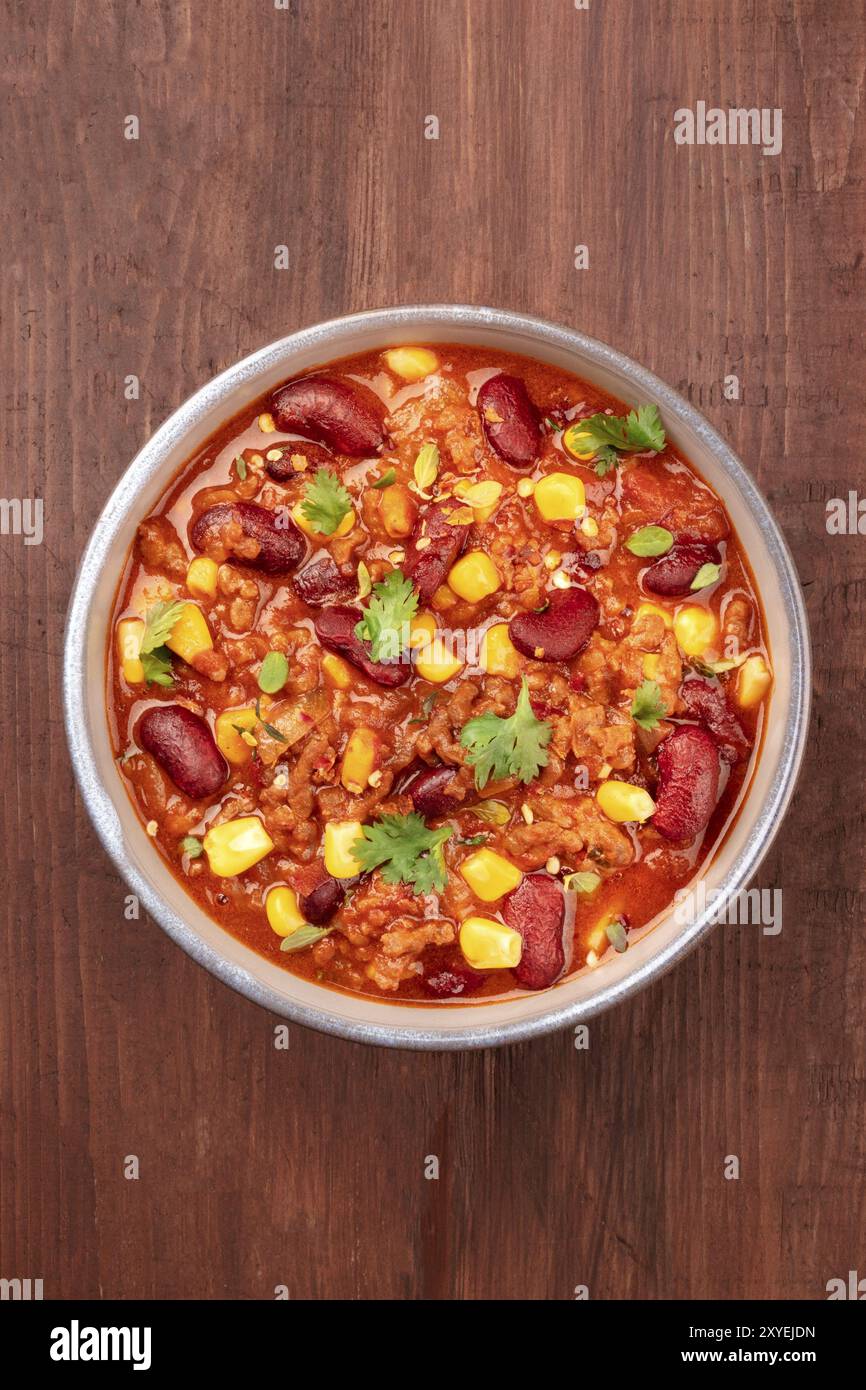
(129, 634)
(666, 617)
(489, 945)
(525, 487)
(622, 802)
(499, 656)
(397, 510)
(229, 729)
(443, 599)
(340, 835)
(753, 682)
(236, 846)
(190, 634)
(577, 442)
(482, 497)
(284, 914)
(201, 577)
(650, 665)
(266, 423)
(309, 529)
(360, 758)
(474, 577)
(436, 662)
(696, 629)
(560, 497)
(337, 672)
(589, 527)
(489, 875)
(422, 630)
(411, 363)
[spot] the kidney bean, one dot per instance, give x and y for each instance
(320, 904)
(428, 567)
(335, 629)
(429, 792)
(450, 981)
(183, 745)
(341, 414)
(510, 420)
(560, 630)
(282, 546)
(708, 704)
(322, 582)
(688, 764)
(281, 469)
(672, 574)
(536, 909)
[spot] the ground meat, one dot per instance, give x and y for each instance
(374, 906)
(160, 548)
(568, 827)
(600, 737)
(738, 618)
(212, 664)
(242, 593)
(399, 948)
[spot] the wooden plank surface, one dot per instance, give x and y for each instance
(304, 125)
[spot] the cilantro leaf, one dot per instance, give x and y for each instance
(157, 667)
(386, 619)
(513, 747)
(387, 478)
(648, 707)
(606, 459)
(650, 540)
(274, 673)
(326, 502)
(192, 846)
(158, 623)
(706, 575)
(630, 434)
(405, 851)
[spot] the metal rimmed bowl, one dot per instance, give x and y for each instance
(360, 1017)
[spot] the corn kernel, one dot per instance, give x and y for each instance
(397, 510)
(236, 845)
(525, 487)
(474, 577)
(340, 835)
(489, 875)
(129, 634)
(422, 630)
(411, 363)
(283, 912)
(482, 497)
(589, 527)
(266, 423)
(336, 671)
(666, 617)
(552, 559)
(201, 577)
(309, 529)
(623, 802)
(436, 662)
(697, 629)
(443, 599)
(650, 665)
(753, 682)
(499, 656)
(560, 497)
(489, 945)
(229, 729)
(359, 759)
(190, 634)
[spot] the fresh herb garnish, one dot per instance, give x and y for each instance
(158, 624)
(274, 673)
(304, 936)
(157, 667)
(473, 839)
(269, 728)
(241, 467)
(326, 502)
(405, 851)
(426, 468)
(606, 459)
(387, 478)
(650, 540)
(365, 583)
(617, 935)
(492, 811)
(513, 747)
(608, 436)
(706, 575)
(191, 846)
(385, 624)
(584, 882)
(648, 707)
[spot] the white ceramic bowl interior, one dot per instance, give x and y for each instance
(122, 833)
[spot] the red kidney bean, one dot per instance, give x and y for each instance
(672, 574)
(281, 469)
(708, 704)
(428, 567)
(322, 582)
(688, 764)
(429, 792)
(281, 544)
(561, 630)
(510, 420)
(335, 629)
(536, 909)
(341, 414)
(320, 904)
(450, 981)
(183, 745)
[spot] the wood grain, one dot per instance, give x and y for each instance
(304, 126)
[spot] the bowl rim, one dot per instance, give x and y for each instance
(144, 466)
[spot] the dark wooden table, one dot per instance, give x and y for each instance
(304, 126)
